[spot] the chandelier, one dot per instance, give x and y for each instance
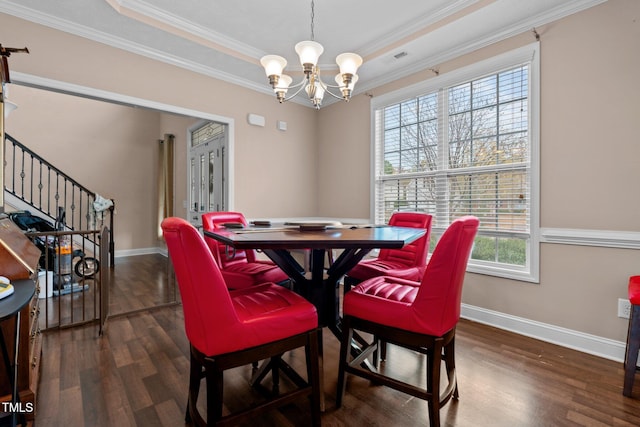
(309, 52)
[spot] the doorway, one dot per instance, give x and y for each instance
(207, 166)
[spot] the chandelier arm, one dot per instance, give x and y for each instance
(333, 94)
(299, 84)
(297, 91)
(326, 89)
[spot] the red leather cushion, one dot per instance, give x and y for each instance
(240, 268)
(225, 256)
(374, 267)
(408, 262)
(266, 313)
(244, 275)
(386, 300)
(634, 290)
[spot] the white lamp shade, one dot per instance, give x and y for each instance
(309, 52)
(273, 64)
(283, 84)
(340, 82)
(349, 62)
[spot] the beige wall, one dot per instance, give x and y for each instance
(321, 165)
(108, 148)
(286, 185)
(590, 122)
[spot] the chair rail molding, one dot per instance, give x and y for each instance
(585, 237)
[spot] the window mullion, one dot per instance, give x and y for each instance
(442, 185)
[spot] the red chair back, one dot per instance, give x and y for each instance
(414, 254)
(439, 297)
(214, 220)
(205, 299)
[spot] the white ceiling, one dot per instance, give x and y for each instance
(226, 39)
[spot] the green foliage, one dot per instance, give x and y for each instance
(506, 251)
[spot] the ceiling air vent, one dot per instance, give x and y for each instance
(400, 55)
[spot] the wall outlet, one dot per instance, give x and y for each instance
(624, 308)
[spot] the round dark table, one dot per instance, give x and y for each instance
(23, 291)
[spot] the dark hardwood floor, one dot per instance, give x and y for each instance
(136, 375)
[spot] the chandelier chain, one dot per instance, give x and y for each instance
(312, 19)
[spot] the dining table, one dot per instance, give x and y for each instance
(320, 285)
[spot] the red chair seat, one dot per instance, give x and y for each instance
(369, 268)
(244, 275)
(266, 313)
(240, 268)
(408, 262)
(390, 305)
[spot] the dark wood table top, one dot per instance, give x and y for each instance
(293, 237)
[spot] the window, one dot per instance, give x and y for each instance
(466, 143)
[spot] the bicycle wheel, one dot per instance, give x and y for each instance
(86, 267)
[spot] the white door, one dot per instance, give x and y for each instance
(207, 170)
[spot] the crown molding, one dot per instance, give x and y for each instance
(567, 8)
(528, 24)
(125, 7)
(120, 43)
(417, 24)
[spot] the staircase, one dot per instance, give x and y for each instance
(34, 184)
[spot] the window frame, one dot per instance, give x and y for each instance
(529, 54)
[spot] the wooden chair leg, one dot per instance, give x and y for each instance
(275, 375)
(195, 376)
(450, 366)
(215, 382)
(313, 376)
(345, 347)
(632, 350)
(434, 357)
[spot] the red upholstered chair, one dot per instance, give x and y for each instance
(240, 268)
(421, 316)
(633, 337)
(408, 262)
(227, 329)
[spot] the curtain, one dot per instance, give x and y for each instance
(165, 179)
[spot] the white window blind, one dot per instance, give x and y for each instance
(465, 148)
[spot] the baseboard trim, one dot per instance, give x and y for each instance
(141, 251)
(586, 343)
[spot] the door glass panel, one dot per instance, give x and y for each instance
(193, 183)
(203, 182)
(207, 169)
(212, 181)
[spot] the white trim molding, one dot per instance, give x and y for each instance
(141, 251)
(583, 237)
(580, 341)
